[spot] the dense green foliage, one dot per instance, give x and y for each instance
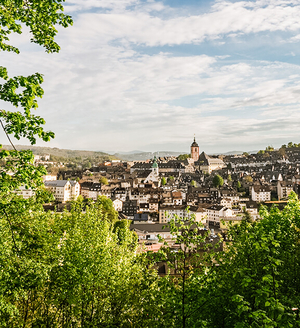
(81, 269)
(269, 148)
(248, 178)
(291, 145)
(69, 269)
(257, 281)
(218, 181)
(193, 183)
(22, 91)
(103, 181)
(183, 157)
(183, 289)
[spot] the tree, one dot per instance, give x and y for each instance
(245, 154)
(247, 216)
(182, 291)
(22, 91)
(258, 276)
(238, 185)
(261, 152)
(163, 181)
(193, 183)
(248, 179)
(87, 165)
(183, 157)
(24, 236)
(107, 206)
(218, 181)
(71, 269)
(229, 177)
(282, 151)
(103, 181)
(270, 148)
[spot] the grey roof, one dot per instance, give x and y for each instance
(147, 227)
(56, 183)
(216, 207)
(204, 159)
(143, 174)
(261, 188)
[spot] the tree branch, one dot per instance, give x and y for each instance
(12, 233)
(3, 127)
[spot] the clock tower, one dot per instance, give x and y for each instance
(194, 150)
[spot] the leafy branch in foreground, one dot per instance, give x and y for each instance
(257, 281)
(21, 91)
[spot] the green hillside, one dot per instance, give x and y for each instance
(64, 153)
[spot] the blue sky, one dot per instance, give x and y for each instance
(149, 75)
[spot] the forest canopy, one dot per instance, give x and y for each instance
(82, 269)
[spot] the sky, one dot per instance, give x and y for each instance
(149, 75)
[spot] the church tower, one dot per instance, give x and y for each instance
(155, 166)
(194, 150)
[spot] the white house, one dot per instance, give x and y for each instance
(49, 177)
(75, 189)
(227, 202)
(284, 188)
(215, 213)
(118, 205)
(260, 193)
(166, 213)
(63, 190)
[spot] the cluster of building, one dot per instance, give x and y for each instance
(157, 190)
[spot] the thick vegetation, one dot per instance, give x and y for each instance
(82, 269)
(70, 269)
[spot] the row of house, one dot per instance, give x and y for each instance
(155, 191)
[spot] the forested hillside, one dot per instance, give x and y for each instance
(65, 154)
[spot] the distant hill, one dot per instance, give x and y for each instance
(239, 152)
(233, 152)
(64, 153)
(142, 156)
(135, 155)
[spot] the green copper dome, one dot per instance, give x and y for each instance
(154, 165)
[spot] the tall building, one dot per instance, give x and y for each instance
(155, 166)
(194, 150)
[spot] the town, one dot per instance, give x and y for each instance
(216, 190)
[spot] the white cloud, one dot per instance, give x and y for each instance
(226, 18)
(293, 39)
(79, 5)
(104, 92)
(116, 97)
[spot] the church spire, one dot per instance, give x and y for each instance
(194, 150)
(155, 166)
